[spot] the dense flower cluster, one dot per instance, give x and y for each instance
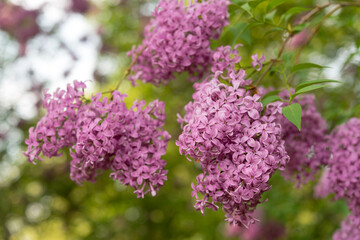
(19, 23)
(103, 135)
(178, 39)
(238, 149)
(350, 229)
(130, 142)
(308, 149)
(344, 175)
(56, 129)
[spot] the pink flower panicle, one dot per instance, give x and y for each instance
(308, 149)
(238, 149)
(178, 39)
(129, 142)
(104, 135)
(350, 229)
(344, 175)
(56, 129)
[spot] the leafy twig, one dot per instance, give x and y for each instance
(304, 19)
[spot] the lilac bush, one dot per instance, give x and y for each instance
(178, 39)
(238, 141)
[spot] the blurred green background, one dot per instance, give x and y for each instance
(41, 202)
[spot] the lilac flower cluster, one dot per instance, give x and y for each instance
(19, 23)
(129, 142)
(238, 149)
(350, 229)
(103, 135)
(57, 129)
(308, 149)
(178, 39)
(344, 175)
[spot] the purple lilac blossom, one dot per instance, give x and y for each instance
(344, 175)
(19, 23)
(257, 61)
(309, 148)
(103, 135)
(350, 230)
(56, 129)
(129, 142)
(238, 149)
(178, 39)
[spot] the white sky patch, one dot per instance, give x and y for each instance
(46, 58)
(148, 8)
(335, 66)
(35, 4)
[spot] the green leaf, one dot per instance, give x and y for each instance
(293, 114)
(292, 11)
(274, 29)
(253, 4)
(300, 27)
(288, 59)
(269, 99)
(274, 3)
(233, 8)
(302, 66)
(270, 16)
(308, 89)
(271, 93)
(241, 30)
(313, 82)
(238, 1)
(247, 9)
(260, 11)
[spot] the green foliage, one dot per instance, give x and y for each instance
(269, 99)
(293, 114)
(303, 66)
(41, 201)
